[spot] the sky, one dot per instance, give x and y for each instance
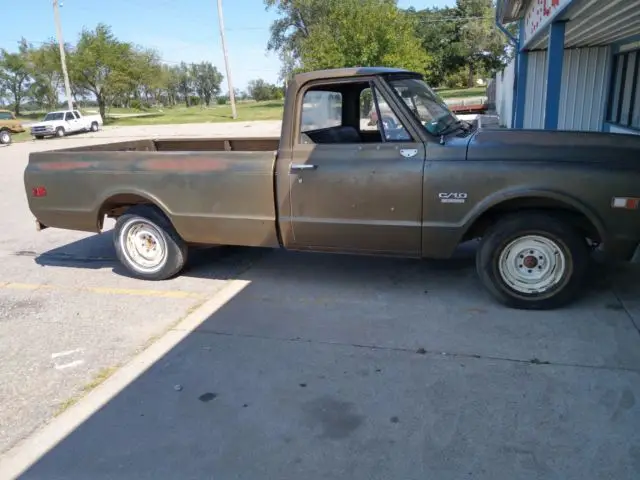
(180, 30)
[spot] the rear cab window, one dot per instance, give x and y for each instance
(346, 113)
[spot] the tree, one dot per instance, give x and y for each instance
(206, 81)
(102, 65)
(45, 66)
(483, 47)
(15, 78)
(146, 73)
(363, 33)
(297, 17)
(260, 90)
(184, 82)
(437, 29)
(289, 66)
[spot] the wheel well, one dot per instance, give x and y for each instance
(550, 206)
(116, 205)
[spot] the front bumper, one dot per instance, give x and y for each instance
(42, 131)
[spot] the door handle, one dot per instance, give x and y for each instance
(302, 166)
(409, 152)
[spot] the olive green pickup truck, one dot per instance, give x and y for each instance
(416, 184)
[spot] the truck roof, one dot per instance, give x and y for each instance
(302, 78)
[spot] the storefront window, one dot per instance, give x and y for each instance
(624, 93)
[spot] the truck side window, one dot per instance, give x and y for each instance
(389, 125)
(69, 116)
(76, 113)
(321, 109)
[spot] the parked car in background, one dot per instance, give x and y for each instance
(64, 122)
(9, 125)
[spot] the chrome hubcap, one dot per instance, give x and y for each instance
(532, 264)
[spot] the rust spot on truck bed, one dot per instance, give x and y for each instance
(185, 164)
(74, 165)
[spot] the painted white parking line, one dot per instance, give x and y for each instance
(75, 363)
(66, 354)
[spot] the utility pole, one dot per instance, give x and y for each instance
(63, 60)
(232, 96)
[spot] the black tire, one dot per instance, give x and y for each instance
(153, 220)
(39, 137)
(94, 127)
(5, 137)
(60, 132)
(569, 242)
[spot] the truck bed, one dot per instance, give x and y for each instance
(250, 144)
(214, 190)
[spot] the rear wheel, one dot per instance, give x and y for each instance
(533, 261)
(147, 244)
(5, 137)
(94, 127)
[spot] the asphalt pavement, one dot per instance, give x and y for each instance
(314, 366)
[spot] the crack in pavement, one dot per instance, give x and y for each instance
(626, 310)
(422, 351)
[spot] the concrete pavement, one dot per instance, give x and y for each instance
(357, 368)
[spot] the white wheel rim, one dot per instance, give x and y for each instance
(5, 137)
(532, 264)
(143, 245)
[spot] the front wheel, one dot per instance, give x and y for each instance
(5, 137)
(147, 244)
(533, 261)
(60, 132)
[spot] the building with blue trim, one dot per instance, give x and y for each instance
(576, 65)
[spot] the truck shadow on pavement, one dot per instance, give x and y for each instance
(374, 367)
(97, 252)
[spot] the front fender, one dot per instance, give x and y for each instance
(503, 196)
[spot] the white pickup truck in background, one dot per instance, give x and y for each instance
(64, 122)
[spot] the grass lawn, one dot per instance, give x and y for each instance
(249, 111)
(20, 137)
(462, 92)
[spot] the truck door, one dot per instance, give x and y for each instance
(71, 121)
(80, 122)
(355, 185)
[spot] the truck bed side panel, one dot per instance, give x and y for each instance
(211, 197)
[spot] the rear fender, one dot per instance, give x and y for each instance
(98, 209)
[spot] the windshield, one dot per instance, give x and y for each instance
(54, 116)
(428, 108)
